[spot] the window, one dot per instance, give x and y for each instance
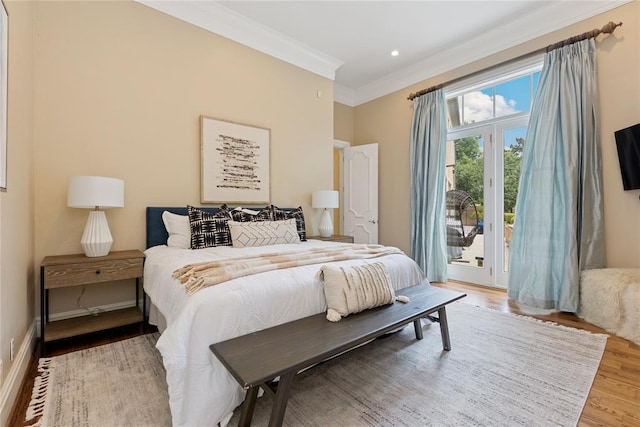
(501, 99)
(487, 123)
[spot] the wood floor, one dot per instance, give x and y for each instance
(614, 399)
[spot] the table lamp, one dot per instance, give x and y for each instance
(325, 199)
(95, 192)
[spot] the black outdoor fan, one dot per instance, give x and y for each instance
(461, 210)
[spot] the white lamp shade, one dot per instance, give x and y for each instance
(95, 191)
(324, 199)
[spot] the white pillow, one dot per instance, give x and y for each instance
(355, 288)
(263, 233)
(247, 211)
(179, 230)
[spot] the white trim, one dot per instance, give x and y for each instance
(11, 386)
(495, 76)
(483, 45)
(218, 19)
(344, 95)
(339, 144)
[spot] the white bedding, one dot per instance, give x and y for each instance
(201, 391)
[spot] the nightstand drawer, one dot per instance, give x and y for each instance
(100, 270)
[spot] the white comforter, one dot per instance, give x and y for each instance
(201, 391)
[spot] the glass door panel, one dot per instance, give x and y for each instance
(513, 145)
(510, 138)
(467, 251)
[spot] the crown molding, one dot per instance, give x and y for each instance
(344, 95)
(218, 19)
(548, 19)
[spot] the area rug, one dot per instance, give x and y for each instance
(118, 384)
(503, 370)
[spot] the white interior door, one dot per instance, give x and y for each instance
(360, 194)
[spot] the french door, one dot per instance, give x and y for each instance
(482, 171)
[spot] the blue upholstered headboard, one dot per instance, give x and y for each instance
(156, 233)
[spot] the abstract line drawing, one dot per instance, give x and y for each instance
(238, 163)
(234, 162)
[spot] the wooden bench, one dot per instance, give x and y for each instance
(256, 359)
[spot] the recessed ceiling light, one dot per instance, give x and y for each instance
(395, 53)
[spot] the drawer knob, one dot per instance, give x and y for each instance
(97, 271)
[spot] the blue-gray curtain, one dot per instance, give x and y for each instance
(428, 150)
(559, 229)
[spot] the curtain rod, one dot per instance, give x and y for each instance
(607, 29)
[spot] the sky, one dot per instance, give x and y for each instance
(510, 97)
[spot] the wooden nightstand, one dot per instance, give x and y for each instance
(76, 270)
(334, 238)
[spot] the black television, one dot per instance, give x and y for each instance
(628, 142)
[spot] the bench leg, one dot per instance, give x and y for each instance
(417, 326)
(248, 406)
(282, 395)
(444, 329)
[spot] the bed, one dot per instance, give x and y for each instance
(201, 391)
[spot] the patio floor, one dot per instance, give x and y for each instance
(475, 250)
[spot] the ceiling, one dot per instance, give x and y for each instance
(351, 41)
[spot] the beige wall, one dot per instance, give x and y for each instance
(387, 120)
(343, 125)
(119, 89)
(17, 284)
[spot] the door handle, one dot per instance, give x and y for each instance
(373, 221)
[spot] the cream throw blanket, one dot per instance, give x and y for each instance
(208, 273)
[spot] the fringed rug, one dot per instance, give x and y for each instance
(118, 384)
(503, 370)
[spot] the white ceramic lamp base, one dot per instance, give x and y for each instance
(325, 228)
(96, 239)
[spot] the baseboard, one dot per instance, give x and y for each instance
(13, 383)
(81, 312)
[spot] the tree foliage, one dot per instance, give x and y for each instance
(469, 170)
(512, 163)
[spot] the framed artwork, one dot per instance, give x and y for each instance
(4, 45)
(234, 162)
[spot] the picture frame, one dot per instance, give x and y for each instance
(4, 85)
(235, 163)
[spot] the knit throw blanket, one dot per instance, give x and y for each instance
(204, 274)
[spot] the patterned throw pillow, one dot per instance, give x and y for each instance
(355, 288)
(209, 229)
(263, 233)
(278, 214)
(247, 215)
